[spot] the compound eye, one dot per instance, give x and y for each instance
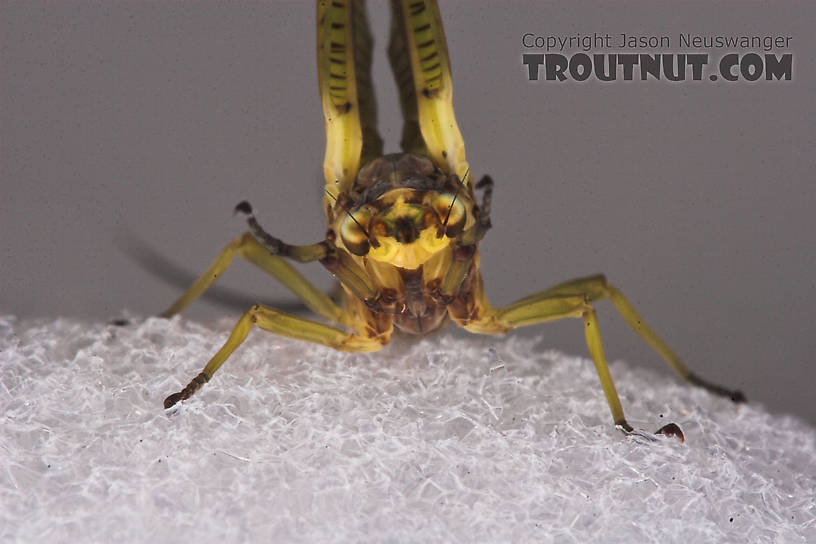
(352, 234)
(450, 208)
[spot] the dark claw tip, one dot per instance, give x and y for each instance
(673, 431)
(243, 207)
(738, 397)
(624, 426)
(171, 401)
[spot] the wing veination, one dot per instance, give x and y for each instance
(419, 58)
(344, 48)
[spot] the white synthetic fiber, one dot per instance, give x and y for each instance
(438, 440)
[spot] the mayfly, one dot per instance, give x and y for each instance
(403, 228)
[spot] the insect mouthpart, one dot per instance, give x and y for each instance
(405, 230)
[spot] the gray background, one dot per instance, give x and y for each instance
(128, 123)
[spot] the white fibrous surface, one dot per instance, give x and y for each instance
(443, 439)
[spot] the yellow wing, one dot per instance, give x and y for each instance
(419, 58)
(344, 73)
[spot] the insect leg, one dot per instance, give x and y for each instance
(285, 325)
(465, 251)
(249, 248)
(593, 340)
(634, 320)
(574, 299)
(483, 224)
(339, 263)
(597, 287)
(480, 317)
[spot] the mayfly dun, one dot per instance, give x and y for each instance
(403, 228)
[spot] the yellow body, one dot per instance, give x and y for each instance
(403, 229)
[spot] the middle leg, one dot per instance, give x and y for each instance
(373, 337)
(545, 306)
(574, 299)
